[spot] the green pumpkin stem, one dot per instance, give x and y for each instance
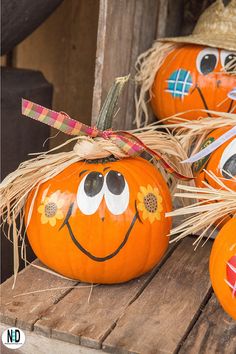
(106, 114)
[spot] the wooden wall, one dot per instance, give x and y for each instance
(85, 44)
(64, 49)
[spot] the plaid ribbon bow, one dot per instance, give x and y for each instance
(126, 141)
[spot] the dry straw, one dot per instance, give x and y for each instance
(147, 65)
(193, 132)
(213, 207)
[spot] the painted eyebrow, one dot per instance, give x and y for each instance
(106, 168)
(82, 172)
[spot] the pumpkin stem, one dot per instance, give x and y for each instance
(107, 111)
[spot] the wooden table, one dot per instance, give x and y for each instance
(170, 310)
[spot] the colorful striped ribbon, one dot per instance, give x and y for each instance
(126, 141)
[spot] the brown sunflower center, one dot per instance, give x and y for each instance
(150, 202)
(50, 209)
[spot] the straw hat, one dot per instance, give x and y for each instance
(216, 27)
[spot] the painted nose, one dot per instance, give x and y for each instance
(101, 210)
(232, 94)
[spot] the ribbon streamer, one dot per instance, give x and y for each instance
(126, 141)
(212, 147)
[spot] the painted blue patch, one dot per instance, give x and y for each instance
(179, 83)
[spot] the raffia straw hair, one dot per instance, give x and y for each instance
(147, 65)
(189, 132)
(212, 208)
(31, 174)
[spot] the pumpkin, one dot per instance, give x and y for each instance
(194, 77)
(222, 162)
(223, 267)
(101, 221)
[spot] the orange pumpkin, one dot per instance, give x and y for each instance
(223, 267)
(193, 77)
(101, 221)
(222, 162)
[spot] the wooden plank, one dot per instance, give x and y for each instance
(3, 60)
(214, 332)
(86, 317)
(42, 345)
(158, 319)
(64, 49)
(23, 311)
(125, 29)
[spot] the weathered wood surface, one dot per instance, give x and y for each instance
(214, 332)
(90, 318)
(24, 310)
(158, 313)
(36, 344)
(125, 29)
(165, 311)
(157, 320)
(64, 49)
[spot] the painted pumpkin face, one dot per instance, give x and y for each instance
(223, 267)
(192, 77)
(222, 162)
(101, 222)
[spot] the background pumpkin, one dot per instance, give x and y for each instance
(191, 78)
(112, 236)
(221, 160)
(223, 267)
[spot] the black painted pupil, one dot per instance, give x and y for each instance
(230, 167)
(115, 182)
(93, 183)
(208, 63)
(228, 59)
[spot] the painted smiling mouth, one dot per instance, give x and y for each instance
(205, 103)
(86, 252)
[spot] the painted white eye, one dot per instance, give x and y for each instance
(90, 193)
(207, 60)
(226, 58)
(227, 163)
(116, 192)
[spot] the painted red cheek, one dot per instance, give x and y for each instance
(231, 274)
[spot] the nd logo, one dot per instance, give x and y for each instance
(13, 335)
(13, 338)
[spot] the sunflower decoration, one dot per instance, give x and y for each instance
(150, 203)
(51, 209)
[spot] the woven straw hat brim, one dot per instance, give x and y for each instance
(222, 42)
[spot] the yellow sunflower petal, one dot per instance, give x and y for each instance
(143, 190)
(53, 197)
(158, 216)
(152, 217)
(52, 221)
(150, 189)
(45, 201)
(41, 209)
(160, 208)
(141, 206)
(59, 214)
(140, 197)
(145, 214)
(60, 203)
(156, 191)
(44, 219)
